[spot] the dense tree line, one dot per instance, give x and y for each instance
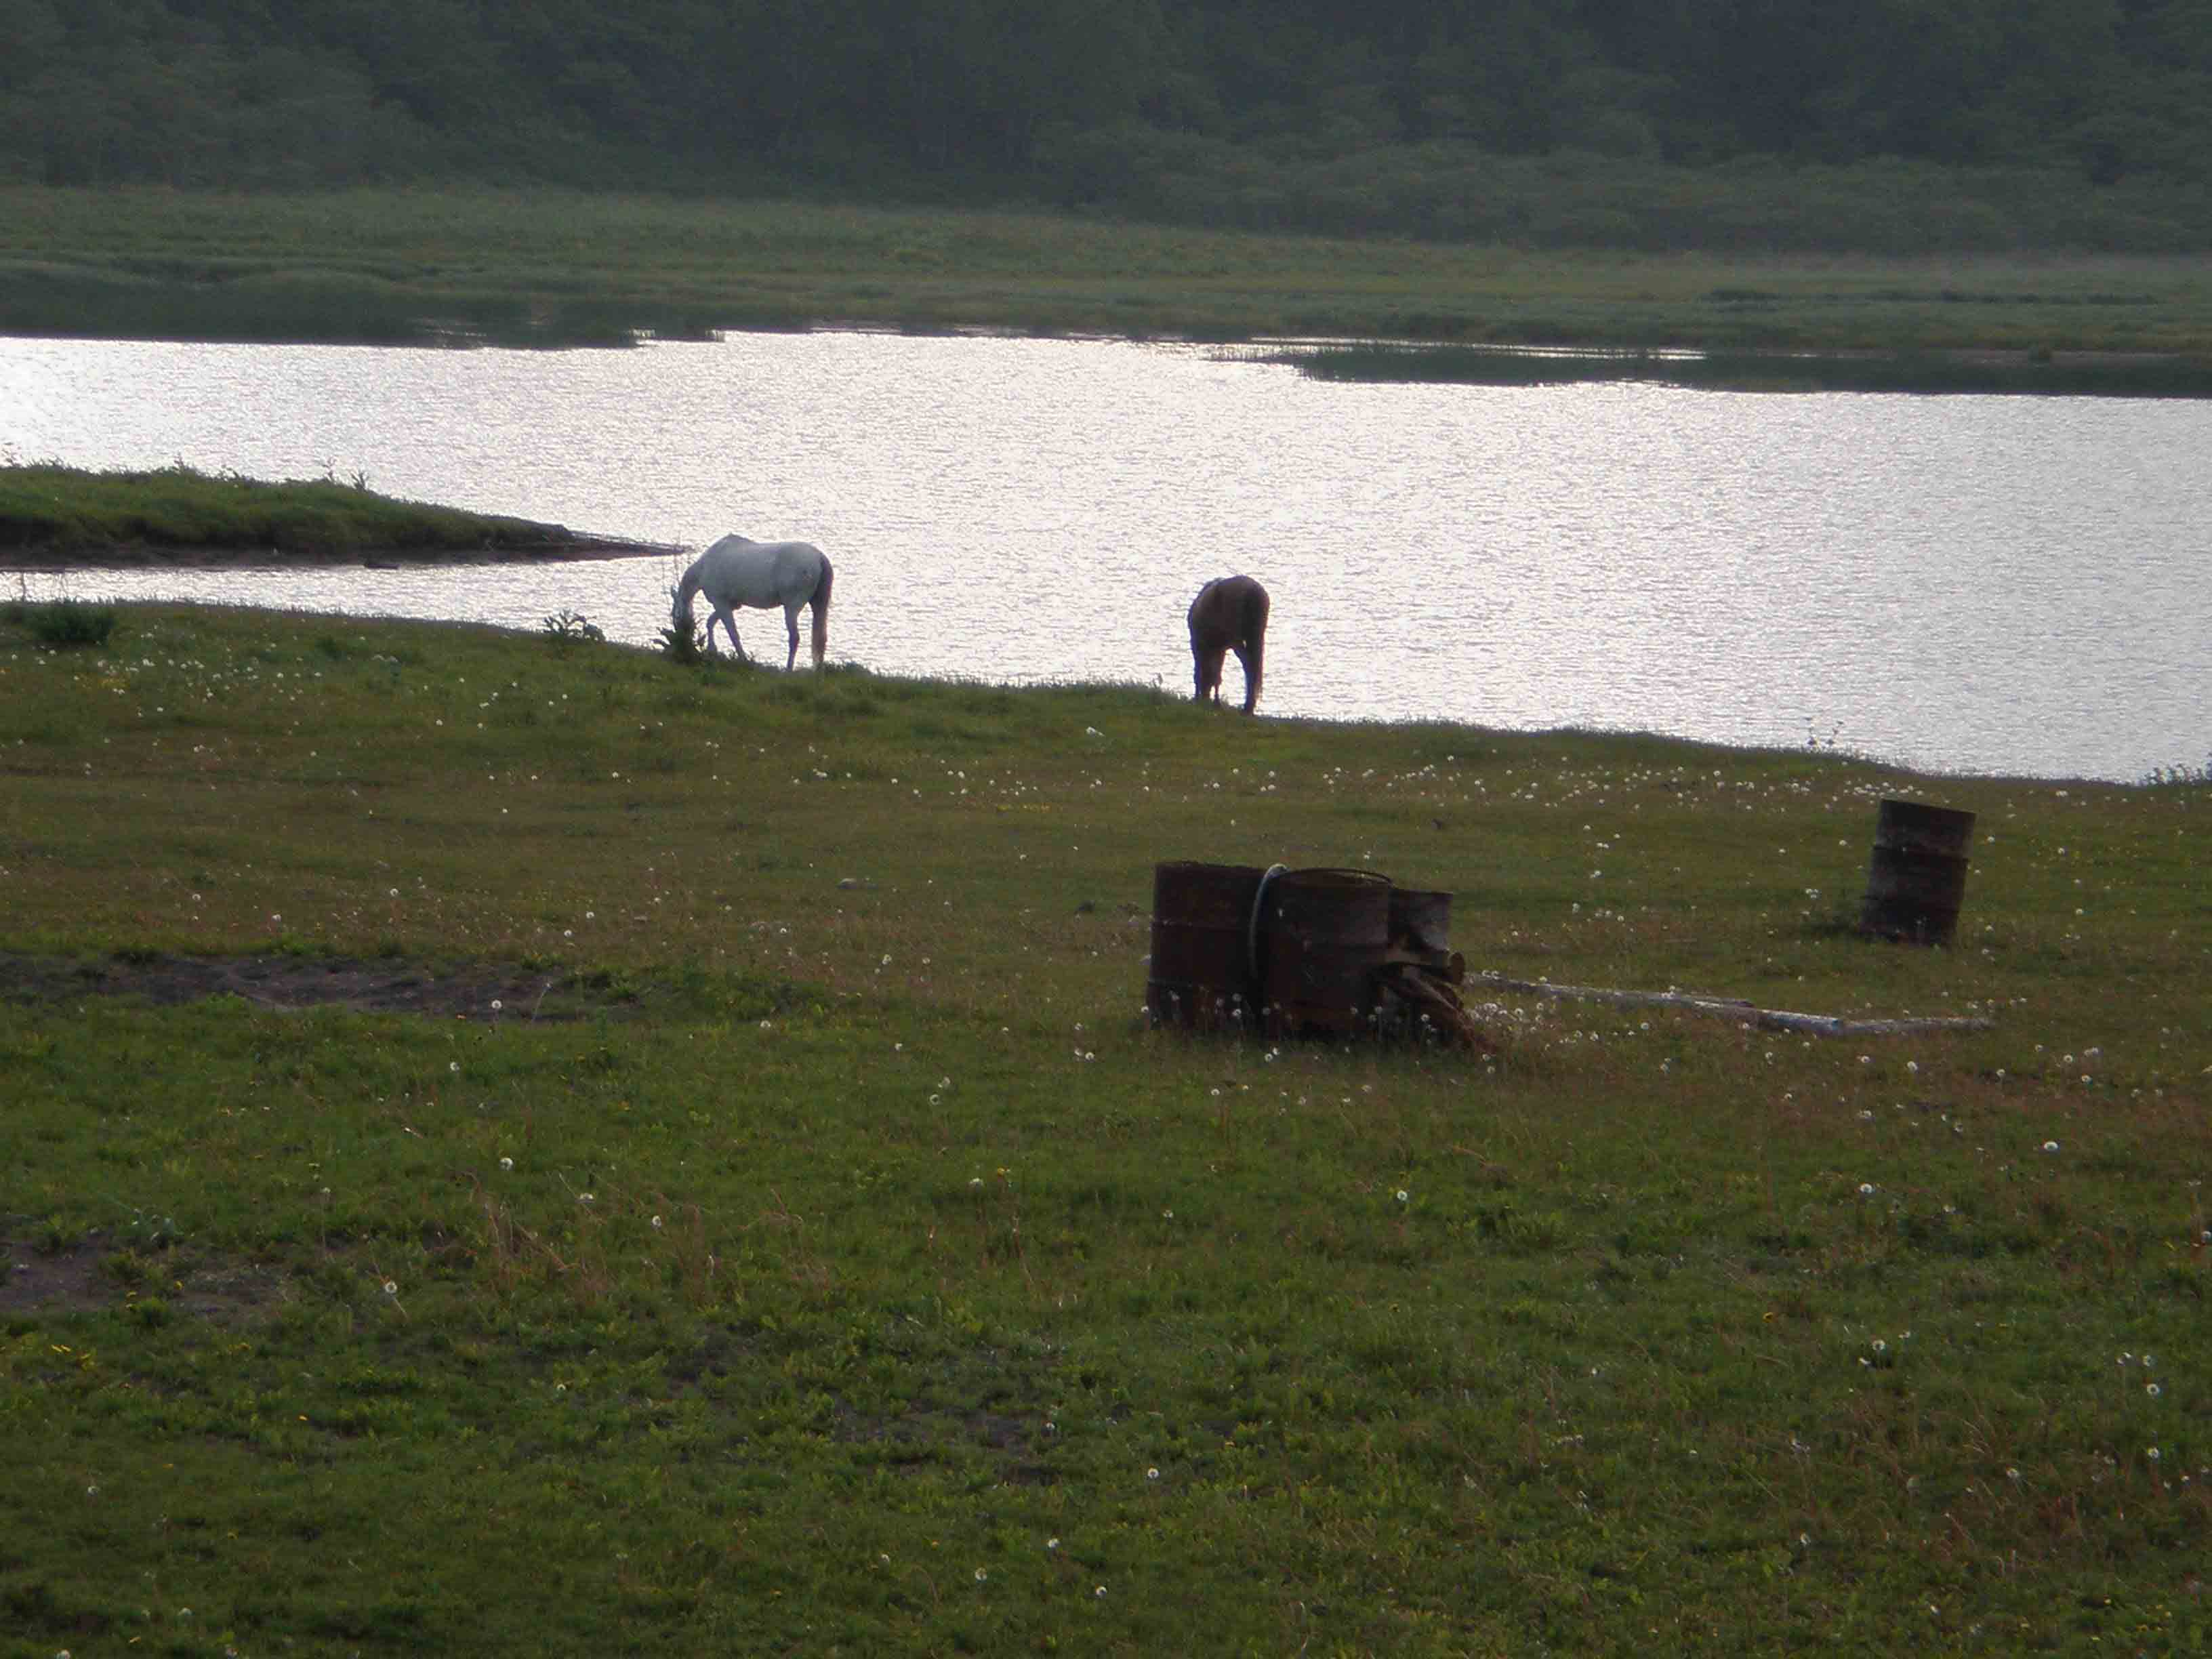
(1154, 106)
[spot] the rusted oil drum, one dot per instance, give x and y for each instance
(1917, 879)
(1202, 976)
(1327, 932)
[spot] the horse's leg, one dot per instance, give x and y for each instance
(1245, 655)
(791, 626)
(1209, 673)
(1255, 645)
(723, 615)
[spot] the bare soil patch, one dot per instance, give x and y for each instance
(465, 991)
(68, 1280)
(80, 1278)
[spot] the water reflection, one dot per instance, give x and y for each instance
(1970, 584)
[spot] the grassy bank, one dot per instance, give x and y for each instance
(2041, 372)
(778, 1229)
(71, 514)
(556, 269)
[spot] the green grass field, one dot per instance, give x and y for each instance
(552, 268)
(778, 1228)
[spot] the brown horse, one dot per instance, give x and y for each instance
(1229, 614)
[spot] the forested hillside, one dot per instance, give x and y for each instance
(1321, 114)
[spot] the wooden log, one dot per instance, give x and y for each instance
(1766, 1019)
(1431, 996)
(1447, 965)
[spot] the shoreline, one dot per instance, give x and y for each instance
(558, 547)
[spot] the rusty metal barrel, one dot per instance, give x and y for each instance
(1328, 932)
(1917, 878)
(1203, 976)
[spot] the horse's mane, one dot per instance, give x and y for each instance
(679, 613)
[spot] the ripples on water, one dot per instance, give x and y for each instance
(2016, 586)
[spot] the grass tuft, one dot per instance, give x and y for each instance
(62, 625)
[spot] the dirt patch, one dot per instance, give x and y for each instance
(469, 991)
(100, 1271)
(67, 1280)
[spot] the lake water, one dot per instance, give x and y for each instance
(1957, 584)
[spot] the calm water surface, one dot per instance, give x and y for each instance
(1980, 584)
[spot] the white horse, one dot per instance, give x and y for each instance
(763, 574)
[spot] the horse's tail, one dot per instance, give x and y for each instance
(1255, 637)
(820, 603)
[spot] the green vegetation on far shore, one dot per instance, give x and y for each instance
(2044, 374)
(552, 268)
(1876, 127)
(51, 513)
(514, 1145)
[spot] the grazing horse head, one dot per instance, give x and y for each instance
(735, 572)
(1229, 614)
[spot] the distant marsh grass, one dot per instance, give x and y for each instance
(2038, 372)
(549, 268)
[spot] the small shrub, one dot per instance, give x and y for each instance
(567, 627)
(64, 623)
(2178, 777)
(684, 644)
